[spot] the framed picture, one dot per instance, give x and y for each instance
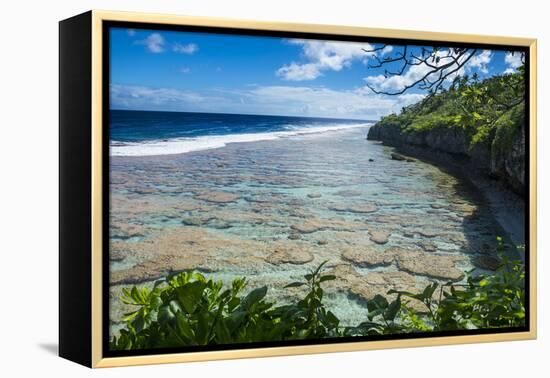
(235, 189)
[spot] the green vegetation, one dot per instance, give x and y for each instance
(190, 309)
(489, 111)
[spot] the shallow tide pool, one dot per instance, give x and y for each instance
(272, 210)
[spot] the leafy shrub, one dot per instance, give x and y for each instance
(189, 309)
(482, 108)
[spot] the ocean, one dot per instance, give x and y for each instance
(147, 133)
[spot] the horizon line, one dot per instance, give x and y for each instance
(249, 114)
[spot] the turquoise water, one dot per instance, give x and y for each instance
(233, 211)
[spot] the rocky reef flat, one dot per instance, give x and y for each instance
(272, 210)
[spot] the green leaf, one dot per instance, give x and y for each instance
(190, 294)
(393, 309)
(295, 284)
(327, 277)
(316, 271)
(254, 297)
(184, 328)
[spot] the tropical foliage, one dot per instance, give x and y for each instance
(189, 309)
(490, 111)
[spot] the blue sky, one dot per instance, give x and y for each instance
(199, 72)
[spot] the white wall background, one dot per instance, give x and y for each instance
(28, 207)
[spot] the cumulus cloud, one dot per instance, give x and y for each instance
(514, 60)
(188, 49)
(154, 43)
(299, 72)
(481, 61)
(322, 56)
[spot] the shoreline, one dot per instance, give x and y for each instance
(184, 145)
(504, 203)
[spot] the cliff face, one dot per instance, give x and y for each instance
(507, 164)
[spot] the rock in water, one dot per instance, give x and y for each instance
(399, 157)
(379, 236)
(360, 208)
(217, 197)
(285, 255)
(486, 262)
(427, 246)
(396, 156)
(368, 257)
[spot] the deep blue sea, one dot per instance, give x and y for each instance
(144, 133)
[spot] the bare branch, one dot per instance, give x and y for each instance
(442, 65)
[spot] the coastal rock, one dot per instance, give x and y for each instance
(427, 246)
(379, 236)
(217, 197)
(368, 257)
(195, 221)
(386, 218)
(285, 255)
(486, 262)
(399, 157)
(505, 162)
(428, 233)
(294, 236)
(430, 264)
(126, 230)
(183, 248)
(309, 227)
(508, 161)
(144, 190)
(359, 208)
(116, 254)
(463, 209)
(372, 284)
(314, 195)
(155, 269)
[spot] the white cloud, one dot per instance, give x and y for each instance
(154, 43)
(279, 100)
(188, 49)
(514, 61)
(322, 56)
(299, 72)
(141, 97)
(481, 61)
(185, 70)
(417, 72)
(386, 50)
(325, 102)
(131, 32)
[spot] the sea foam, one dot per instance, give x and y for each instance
(184, 145)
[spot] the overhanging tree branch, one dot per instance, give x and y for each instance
(440, 64)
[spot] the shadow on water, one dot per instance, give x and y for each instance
(479, 225)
